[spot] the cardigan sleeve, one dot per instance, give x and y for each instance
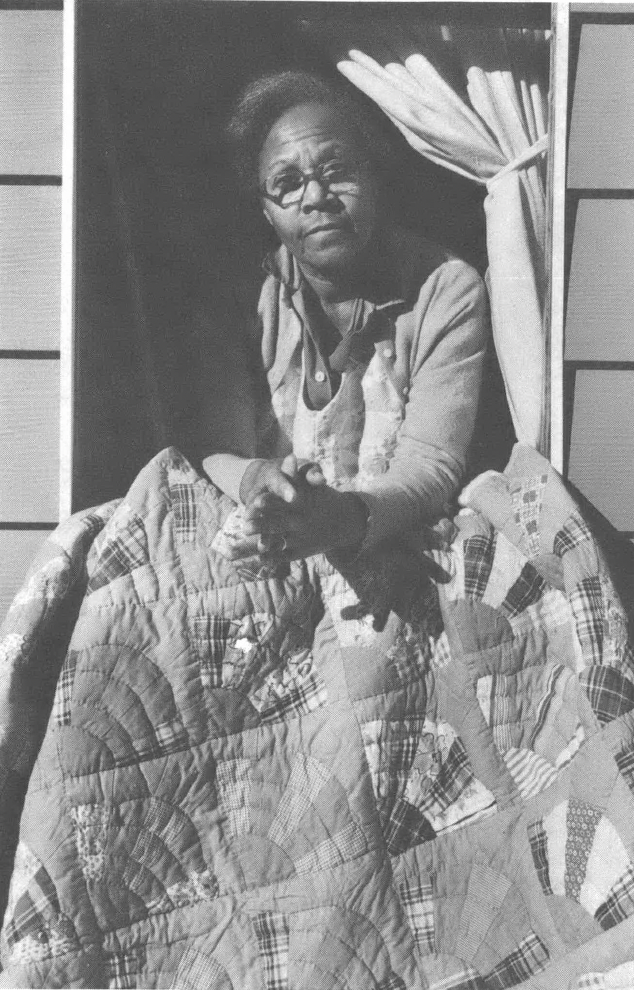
(448, 346)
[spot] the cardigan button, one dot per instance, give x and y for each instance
(388, 352)
(320, 376)
(406, 390)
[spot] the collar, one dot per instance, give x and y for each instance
(384, 291)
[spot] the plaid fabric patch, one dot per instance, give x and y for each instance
(340, 848)
(34, 910)
(530, 957)
(168, 738)
(527, 505)
(64, 690)
(479, 552)
(185, 512)
(539, 849)
(571, 535)
(586, 602)
(454, 776)
(526, 591)
(120, 555)
(418, 905)
(619, 903)
(122, 969)
(406, 827)
(272, 932)
(625, 762)
(208, 636)
(198, 971)
(302, 698)
(233, 783)
(609, 692)
(307, 778)
(393, 982)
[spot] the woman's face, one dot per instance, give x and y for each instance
(327, 229)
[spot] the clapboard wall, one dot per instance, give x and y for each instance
(599, 326)
(30, 232)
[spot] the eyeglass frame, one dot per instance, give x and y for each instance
(307, 177)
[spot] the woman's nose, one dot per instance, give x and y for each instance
(315, 194)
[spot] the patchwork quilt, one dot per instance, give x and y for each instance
(272, 780)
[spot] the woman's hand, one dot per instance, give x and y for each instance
(292, 513)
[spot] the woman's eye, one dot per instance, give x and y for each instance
(337, 171)
(285, 183)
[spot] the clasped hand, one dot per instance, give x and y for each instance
(290, 512)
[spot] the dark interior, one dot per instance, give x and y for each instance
(164, 237)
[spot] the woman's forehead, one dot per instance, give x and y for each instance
(309, 127)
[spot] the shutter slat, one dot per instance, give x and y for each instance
(29, 440)
(602, 443)
(30, 92)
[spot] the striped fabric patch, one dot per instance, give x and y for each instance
(619, 903)
(418, 905)
(530, 957)
(485, 894)
(272, 932)
(538, 844)
(532, 773)
(479, 552)
(466, 979)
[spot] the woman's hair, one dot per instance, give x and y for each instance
(267, 98)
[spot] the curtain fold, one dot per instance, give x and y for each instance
(475, 100)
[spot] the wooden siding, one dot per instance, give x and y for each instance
(601, 151)
(602, 444)
(30, 92)
(601, 295)
(30, 221)
(30, 255)
(29, 440)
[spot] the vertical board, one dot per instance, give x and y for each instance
(601, 150)
(602, 444)
(30, 91)
(600, 316)
(29, 440)
(17, 550)
(30, 222)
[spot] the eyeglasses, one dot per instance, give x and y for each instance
(287, 188)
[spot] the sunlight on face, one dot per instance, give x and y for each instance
(327, 230)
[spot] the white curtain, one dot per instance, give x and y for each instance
(475, 100)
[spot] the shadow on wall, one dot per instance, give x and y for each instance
(164, 238)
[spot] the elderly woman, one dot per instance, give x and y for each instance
(371, 339)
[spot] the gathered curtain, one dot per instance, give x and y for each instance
(475, 100)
